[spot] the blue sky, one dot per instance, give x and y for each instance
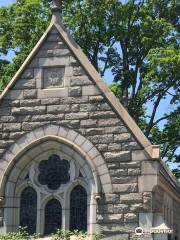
(6, 2)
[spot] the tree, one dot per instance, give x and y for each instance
(137, 40)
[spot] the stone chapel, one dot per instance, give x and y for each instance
(71, 157)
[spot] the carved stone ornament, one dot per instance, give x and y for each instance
(2, 201)
(53, 77)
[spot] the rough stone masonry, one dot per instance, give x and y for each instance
(58, 99)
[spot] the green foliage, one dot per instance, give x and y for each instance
(21, 235)
(66, 235)
(138, 41)
(62, 234)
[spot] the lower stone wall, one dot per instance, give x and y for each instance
(169, 209)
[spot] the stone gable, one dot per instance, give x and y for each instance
(56, 90)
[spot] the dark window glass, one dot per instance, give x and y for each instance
(54, 172)
(28, 210)
(78, 209)
(169, 237)
(53, 216)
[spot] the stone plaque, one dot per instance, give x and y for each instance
(53, 77)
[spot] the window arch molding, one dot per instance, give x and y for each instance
(25, 158)
(63, 135)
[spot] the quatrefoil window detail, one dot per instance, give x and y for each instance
(54, 172)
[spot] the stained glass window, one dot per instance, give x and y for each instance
(28, 209)
(78, 209)
(54, 172)
(53, 216)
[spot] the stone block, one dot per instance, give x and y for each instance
(102, 147)
(122, 156)
(98, 160)
(102, 169)
(75, 108)
(12, 127)
(134, 171)
(79, 115)
(118, 171)
(79, 140)
(29, 110)
(121, 208)
(80, 81)
(30, 93)
(107, 208)
(130, 165)
(5, 111)
(88, 123)
(30, 102)
(110, 218)
(122, 137)
(112, 198)
(137, 207)
(90, 90)
(87, 145)
(147, 182)
(96, 99)
(88, 107)
(130, 217)
(94, 131)
(53, 61)
(75, 92)
(110, 122)
(114, 147)
(123, 188)
(27, 126)
(58, 108)
(115, 129)
(28, 73)
(118, 228)
(52, 93)
(124, 179)
(50, 101)
(47, 117)
(150, 167)
(25, 84)
(104, 114)
(131, 198)
(130, 146)
(72, 135)
(78, 71)
(7, 119)
(139, 155)
(14, 95)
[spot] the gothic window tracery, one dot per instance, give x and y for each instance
(54, 172)
(51, 173)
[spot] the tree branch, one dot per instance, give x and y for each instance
(163, 118)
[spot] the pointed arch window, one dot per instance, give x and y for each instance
(78, 209)
(53, 216)
(28, 210)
